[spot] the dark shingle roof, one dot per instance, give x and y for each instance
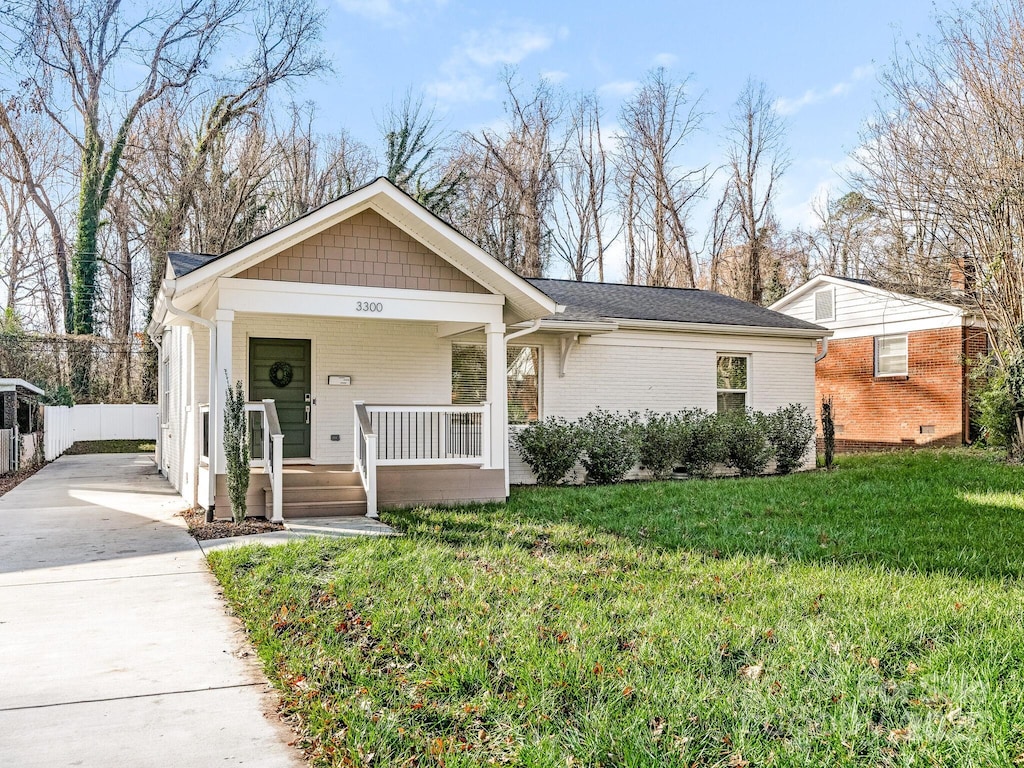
(182, 263)
(596, 301)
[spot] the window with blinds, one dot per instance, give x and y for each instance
(522, 371)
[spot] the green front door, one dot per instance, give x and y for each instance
(279, 370)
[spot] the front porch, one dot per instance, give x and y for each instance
(405, 455)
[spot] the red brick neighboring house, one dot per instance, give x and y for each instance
(895, 366)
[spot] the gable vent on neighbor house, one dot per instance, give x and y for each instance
(825, 304)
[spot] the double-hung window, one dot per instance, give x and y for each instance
(733, 379)
(522, 371)
(891, 355)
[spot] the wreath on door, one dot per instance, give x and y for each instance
(281, 374)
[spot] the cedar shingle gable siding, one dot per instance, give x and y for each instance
(366, 250)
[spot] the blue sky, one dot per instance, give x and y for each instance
(820, 59)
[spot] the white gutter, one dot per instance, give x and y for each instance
(167, 288)
(535, 326)
(732, 330)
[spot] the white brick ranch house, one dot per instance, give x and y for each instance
(384, 356)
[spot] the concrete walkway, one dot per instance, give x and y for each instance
(115, 648)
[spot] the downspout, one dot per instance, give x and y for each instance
(508, 338)
(168, 288)
(824, 350)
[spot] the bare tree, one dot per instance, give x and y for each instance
(942, 158)
(519, 166)
(95, 67)
(310, 169)
(757, 158)
(582, 225)
(656, 124)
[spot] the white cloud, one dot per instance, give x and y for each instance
(554, 76)
(503, 44)
(618, 89)
(463, 73)
(786, 106)
(665, 60)
(386, 12)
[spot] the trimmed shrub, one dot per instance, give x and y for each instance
(746, 441)
(790, 431)
(699, 442)
(551, 448)
(659, 443)
(610, 445)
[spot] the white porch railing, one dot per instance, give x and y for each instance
(418, 435)
(273, 453)
(266, 443)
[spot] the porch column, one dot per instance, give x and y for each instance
(224, 319)
(497, 392)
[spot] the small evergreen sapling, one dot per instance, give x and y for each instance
(236, 449)
(828, 431)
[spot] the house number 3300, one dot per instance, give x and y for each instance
(369, 306)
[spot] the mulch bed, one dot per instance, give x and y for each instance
(223, 529)
(12, 479)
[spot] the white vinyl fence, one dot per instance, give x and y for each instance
(64, 425)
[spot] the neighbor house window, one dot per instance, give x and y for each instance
(825, 304)
(733, 380)
(891, 355)
(522, 371)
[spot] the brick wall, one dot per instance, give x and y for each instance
(928, 406)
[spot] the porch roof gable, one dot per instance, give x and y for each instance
(194, 273)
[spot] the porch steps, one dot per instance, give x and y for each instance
(311, 490)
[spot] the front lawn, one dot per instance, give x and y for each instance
(872, 616)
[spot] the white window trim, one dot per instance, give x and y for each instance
(830, 289)
(746, 392)
(906, 356)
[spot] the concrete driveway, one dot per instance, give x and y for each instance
(115, 648)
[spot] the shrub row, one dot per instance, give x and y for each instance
(692, 442)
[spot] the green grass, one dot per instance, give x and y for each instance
(872, 616)
(111, 446)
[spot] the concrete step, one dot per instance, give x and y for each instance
(324, 493)
(292, 509)
(316, 476)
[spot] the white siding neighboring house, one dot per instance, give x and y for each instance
(342, 327)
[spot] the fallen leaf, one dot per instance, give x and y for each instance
(751, 671)
(899, 734)
(874, 662)
(598, 668)
(628, 691)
